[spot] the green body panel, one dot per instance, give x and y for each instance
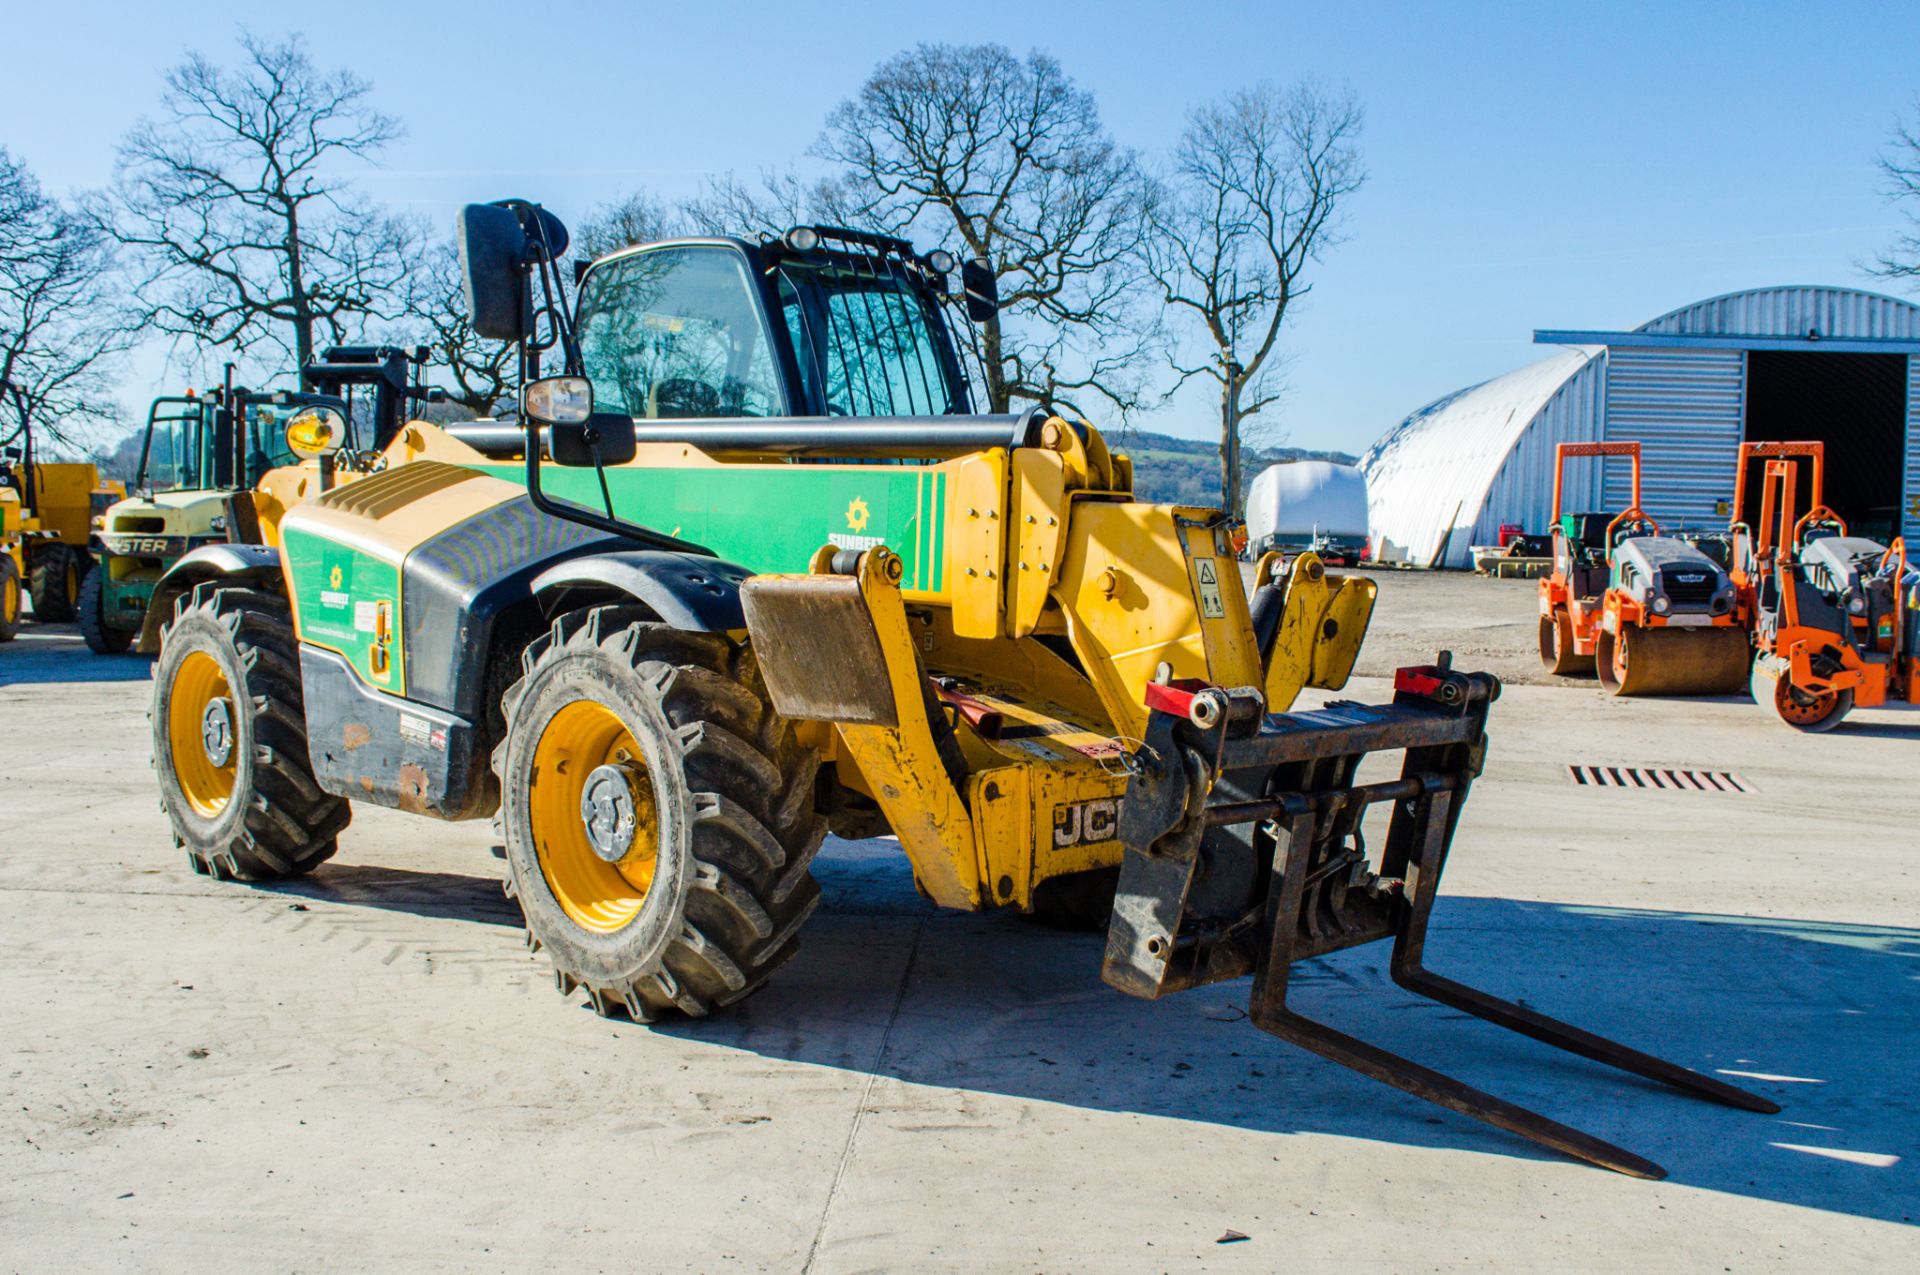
(337, 589)
(123, 603)
(773, 517)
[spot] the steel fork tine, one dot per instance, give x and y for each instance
(1409, 948)
(1572, 1039)
(1445, 1091)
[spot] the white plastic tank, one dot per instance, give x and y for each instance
(1306, 504)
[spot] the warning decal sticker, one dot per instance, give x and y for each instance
(1208, 577)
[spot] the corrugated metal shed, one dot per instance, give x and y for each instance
(1450, 474)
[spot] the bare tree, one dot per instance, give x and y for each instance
(1253, 199)
(638, 218)
(61, 331)
(482, 373)
(1004, 160)
(244, 230)
(1900, 166)
(729, 205)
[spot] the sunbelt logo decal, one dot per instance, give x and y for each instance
(858, 515)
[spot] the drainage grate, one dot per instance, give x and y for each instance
(1655, 777)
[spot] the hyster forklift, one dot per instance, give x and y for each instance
(47, 510)
(1649, 613)
(760, 572)
(1837, 616)
(216, 469)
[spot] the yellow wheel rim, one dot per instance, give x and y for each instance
(9, 598)
(200, 733)
(593, 817)
(73, 583)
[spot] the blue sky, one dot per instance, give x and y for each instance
(1532, 165)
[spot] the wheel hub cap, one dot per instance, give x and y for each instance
(216, 731)
(606, 808)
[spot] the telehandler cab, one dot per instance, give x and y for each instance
(899, 616)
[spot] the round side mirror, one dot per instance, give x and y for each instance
(313, 432)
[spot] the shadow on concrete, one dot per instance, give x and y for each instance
(450, 895)
(1820, 1017)
(56, 653)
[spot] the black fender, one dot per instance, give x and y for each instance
(686, 590)
(228, 563)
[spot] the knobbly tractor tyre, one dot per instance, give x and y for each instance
(1803, 710)
(230, 740)
(659, 816)
(54, 583)
(101, 637)
(1557, 654)
(9, 598)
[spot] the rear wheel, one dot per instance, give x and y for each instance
(9, 598)
(658, 814)
(101, 637)
(230, 740)
(54, 583)
(1812, 711)
(1557, 654)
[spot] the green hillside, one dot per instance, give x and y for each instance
(1186, 471)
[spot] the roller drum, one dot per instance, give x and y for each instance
(1673, 661)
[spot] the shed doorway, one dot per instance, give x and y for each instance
(1856, 404)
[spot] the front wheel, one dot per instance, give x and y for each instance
(1557, 653)
(658, 814)
(101, 637)
(230, 740)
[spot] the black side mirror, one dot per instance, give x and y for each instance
(982, 287)
(493, 256)
(611, 432)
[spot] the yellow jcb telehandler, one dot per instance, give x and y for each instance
(750, 569)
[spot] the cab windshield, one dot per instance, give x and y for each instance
(180, 444)
(679, 332)
(177, 447)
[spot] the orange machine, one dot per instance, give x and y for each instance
(1749, 543)
(1570, 596)
(1837, 617)
(1656, 615)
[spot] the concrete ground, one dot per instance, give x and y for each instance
(365, 1070)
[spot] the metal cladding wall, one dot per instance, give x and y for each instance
(1685, 409)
